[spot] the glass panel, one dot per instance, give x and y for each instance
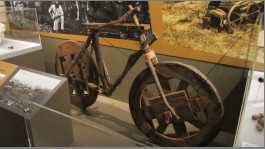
(253, 103)
(52, 128)
(108, 117)
(21, 33)
(22, 24)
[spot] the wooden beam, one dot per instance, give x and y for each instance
(118, 27)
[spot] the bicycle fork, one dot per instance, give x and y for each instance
(149, 56)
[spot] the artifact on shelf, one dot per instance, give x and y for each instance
(2, 30)
(260, 118)
(11, 47)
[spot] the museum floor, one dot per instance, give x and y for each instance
(118, 127)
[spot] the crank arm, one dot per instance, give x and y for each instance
(107, 91)
(90, 85)
(159, 87)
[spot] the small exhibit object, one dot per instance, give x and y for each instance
(11, 47)
(246, 144)
(2, 30)
(260, 118)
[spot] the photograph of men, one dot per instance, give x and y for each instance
(57, 15)
(67, 17)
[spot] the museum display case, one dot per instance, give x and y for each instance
(20, 85)
(21, 38)
(253, 104)
(109, 117)
(210, 85)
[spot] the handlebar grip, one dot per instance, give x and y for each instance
(150, 40)
(137, 9)
(133, 10)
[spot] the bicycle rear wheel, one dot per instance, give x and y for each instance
(85, 70)
(190, 93)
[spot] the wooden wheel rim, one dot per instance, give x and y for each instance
(214, 120)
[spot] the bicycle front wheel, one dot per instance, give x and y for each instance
(190, 93)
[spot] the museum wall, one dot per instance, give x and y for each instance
(224, 55)
(229, 81)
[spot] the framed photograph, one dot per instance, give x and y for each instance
(27, 86)
(64, 19)
(208, 30)
(201, 30)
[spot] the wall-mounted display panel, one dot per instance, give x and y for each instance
(184, 33)
(181, 35)
(21, 35)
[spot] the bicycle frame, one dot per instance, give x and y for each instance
(150, 58)
(89, 76)
(108, 89)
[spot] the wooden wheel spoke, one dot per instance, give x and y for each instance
(165, 84)
(237, 19)
(236, 14)
(240, 23)
(247, 10)
(149, 116)
(182, 86)
(197, 124)
(180, 130)
(162, 126)
(149, 94)
(252, 13)
(193, 132)
(248, 19)
(198, 104)
(148, 113)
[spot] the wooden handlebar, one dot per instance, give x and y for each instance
(122, 18)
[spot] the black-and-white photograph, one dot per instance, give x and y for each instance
(2, 76)
(26, 87)
(21, 18)
(66, 17)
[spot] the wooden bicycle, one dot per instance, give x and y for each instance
(172, 103)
